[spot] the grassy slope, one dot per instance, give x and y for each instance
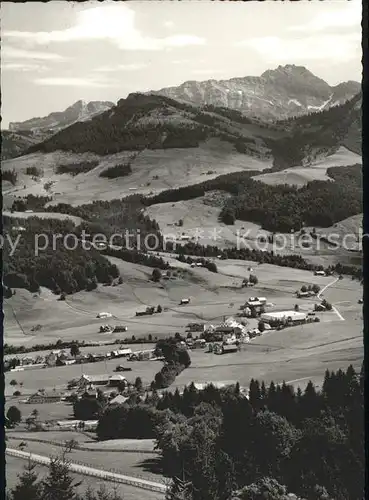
(317, 170)
(174, 168)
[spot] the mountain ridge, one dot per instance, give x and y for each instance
(279, 93)
(79, 111)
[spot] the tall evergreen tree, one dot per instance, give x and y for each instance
(28, 487)
(59, 484)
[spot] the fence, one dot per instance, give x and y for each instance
(83, 448)
(107, 475)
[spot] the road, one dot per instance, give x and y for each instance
(333, 307)
(90, 471)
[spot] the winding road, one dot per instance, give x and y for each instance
(333, 307)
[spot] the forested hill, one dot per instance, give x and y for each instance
(318, 134)
(157, 122)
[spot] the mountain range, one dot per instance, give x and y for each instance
(280, 93)
(78, 112)
(277, 95)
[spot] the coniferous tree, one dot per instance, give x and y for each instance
(255, 394)
(28, 487)
(59, 484)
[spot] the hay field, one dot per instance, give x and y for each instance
(316, 170)
(14, 467)
(152, 171)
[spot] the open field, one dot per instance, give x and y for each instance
(14, 466)
(316, 170)
(171, 168)
(63, 436)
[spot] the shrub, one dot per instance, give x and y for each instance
(9, 175)
(156, 275)
(34, 171)
(121, 170)
(76, 168)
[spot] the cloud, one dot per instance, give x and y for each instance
(73, 82)
(9, 53)
(121, 67)
(349, 16)
(169, 24)
(336, 48)
(22, 67)
(114, 22)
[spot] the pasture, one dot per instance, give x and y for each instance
(316, 170)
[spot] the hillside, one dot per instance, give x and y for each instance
(284, 92)
(22, 135)
(14, 144)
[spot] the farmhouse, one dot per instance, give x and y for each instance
(277, 317)
(121, 353)
(44, 397)
(116, 379)
(87, 380)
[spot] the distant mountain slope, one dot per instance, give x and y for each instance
(318, 134)
(79, 111)
(281, 93)
(22, 135)
(14, 144)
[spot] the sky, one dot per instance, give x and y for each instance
(55, 53)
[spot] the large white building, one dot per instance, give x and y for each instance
(279, 316)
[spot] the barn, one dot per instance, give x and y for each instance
(278, 317)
